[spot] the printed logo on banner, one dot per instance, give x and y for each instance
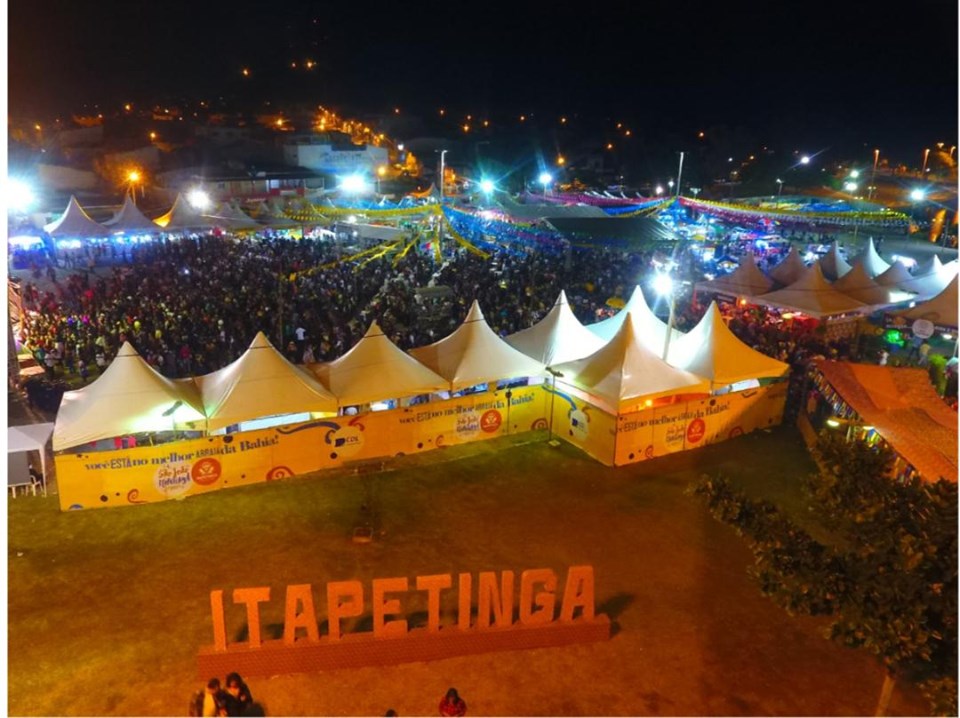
(696, 430)
(347, 440)
(675, 434)
(468, 424)
(173, 479)
(490, 421)
(205, 472)
(579, 425)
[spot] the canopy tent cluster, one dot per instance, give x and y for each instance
(831, 286)
(617, 363)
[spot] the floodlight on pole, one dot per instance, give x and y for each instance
(353, 184)
(545, 179)
(199, 199)
(487, 186)
(917, 195)
(663, 284)
(850, 186)
(19, 196)
(779, 192)
(854, 174)
(442, 155)
(805, 160)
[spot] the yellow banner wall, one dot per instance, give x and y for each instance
(171, 471)
(664, 430)
(584, 425)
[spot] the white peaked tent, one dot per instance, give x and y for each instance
(76, 223)
(650, 329)
(130, 397)
(30, 437)
(941, 310)
(376, 368)
(473, 354)
(858, 284)
(558, 337)
(231, 217)
(813, 295)
(622, 375)
(871, 261)
(790, 269)
(260, 383)
(712, 351)
(130, 220)
(745, 281)
(896, 275)
(931, 279)
(271, 214)
(182, 215)
(833, 265)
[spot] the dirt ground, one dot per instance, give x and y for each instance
(108, 608)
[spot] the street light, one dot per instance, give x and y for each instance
(873, 175)
(20, 197)
(553, 394)
(923, 169)
(917, 195)
(663, 284)
(353, 184)
(133, 177)
(659, 190)
(545, 179)
(487, 186)
(198, 199)
(854, 174)
(805, 160)
(850, 186)
(779, 191)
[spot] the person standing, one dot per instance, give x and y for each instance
(924, 352)
(452, 704)
(884, 355)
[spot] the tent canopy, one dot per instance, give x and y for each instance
(790, 269)
(931, 279)
(260, 383)
(473, 354)
(651, 330)
(130, 397)
(813, 295)
(858, 284)
(556, 338)
(941, 309)
(183, 216)
(376, 368)
(74, 222)
(130, 220)
(30, 437)
(622, 375)
(745, 281)
(871, 261)
(833, 265)
(714, 352)
(231, 217)
(894, 276)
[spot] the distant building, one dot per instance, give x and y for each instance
(224, 184)
(333, 153)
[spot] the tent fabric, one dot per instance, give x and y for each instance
(745, 281)
(31, 437)
(941, 309)
(376, 368)
(473, 354)
(597, 229)
(130, 219)
(183, 215)
(622, 375)
(813, 295)
(871, 261)
(650, 329)
(789, 270)
(712, 351)
(858, 284)
(558, 337)
(230, 217)
(260, 383)
(833, 265)
(932, 279)
(74, 222)
(130, 397)
(901, 404)
(896, 275)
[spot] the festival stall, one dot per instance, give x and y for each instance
(896, 275)
(74, 223)
(812, 295)
(745, 281)
(130, 397)
(710, 350)
(623, 404)
(859, 285)
(651, 330)
(233, 219)
(130, 220)
(183, 216)
(556, 338)
(881, 404)
(941, 310)
(261, 383)
(376, 369)
(931, 279)
(833, 265)
(21, 441)
(789, 270)
(474, 355)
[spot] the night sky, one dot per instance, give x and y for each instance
(815, 72)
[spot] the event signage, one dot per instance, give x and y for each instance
(493, 612)
(923, 328)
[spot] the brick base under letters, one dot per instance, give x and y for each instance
(358, 650)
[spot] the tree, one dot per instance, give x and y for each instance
(889, 579)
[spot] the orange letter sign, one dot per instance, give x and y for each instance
(352, 591)
(578, 593)
(307, 619)
(219, 626)
(500, 600)
(252, 597)
(546, 601)
(382, 607)
(433, 585)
